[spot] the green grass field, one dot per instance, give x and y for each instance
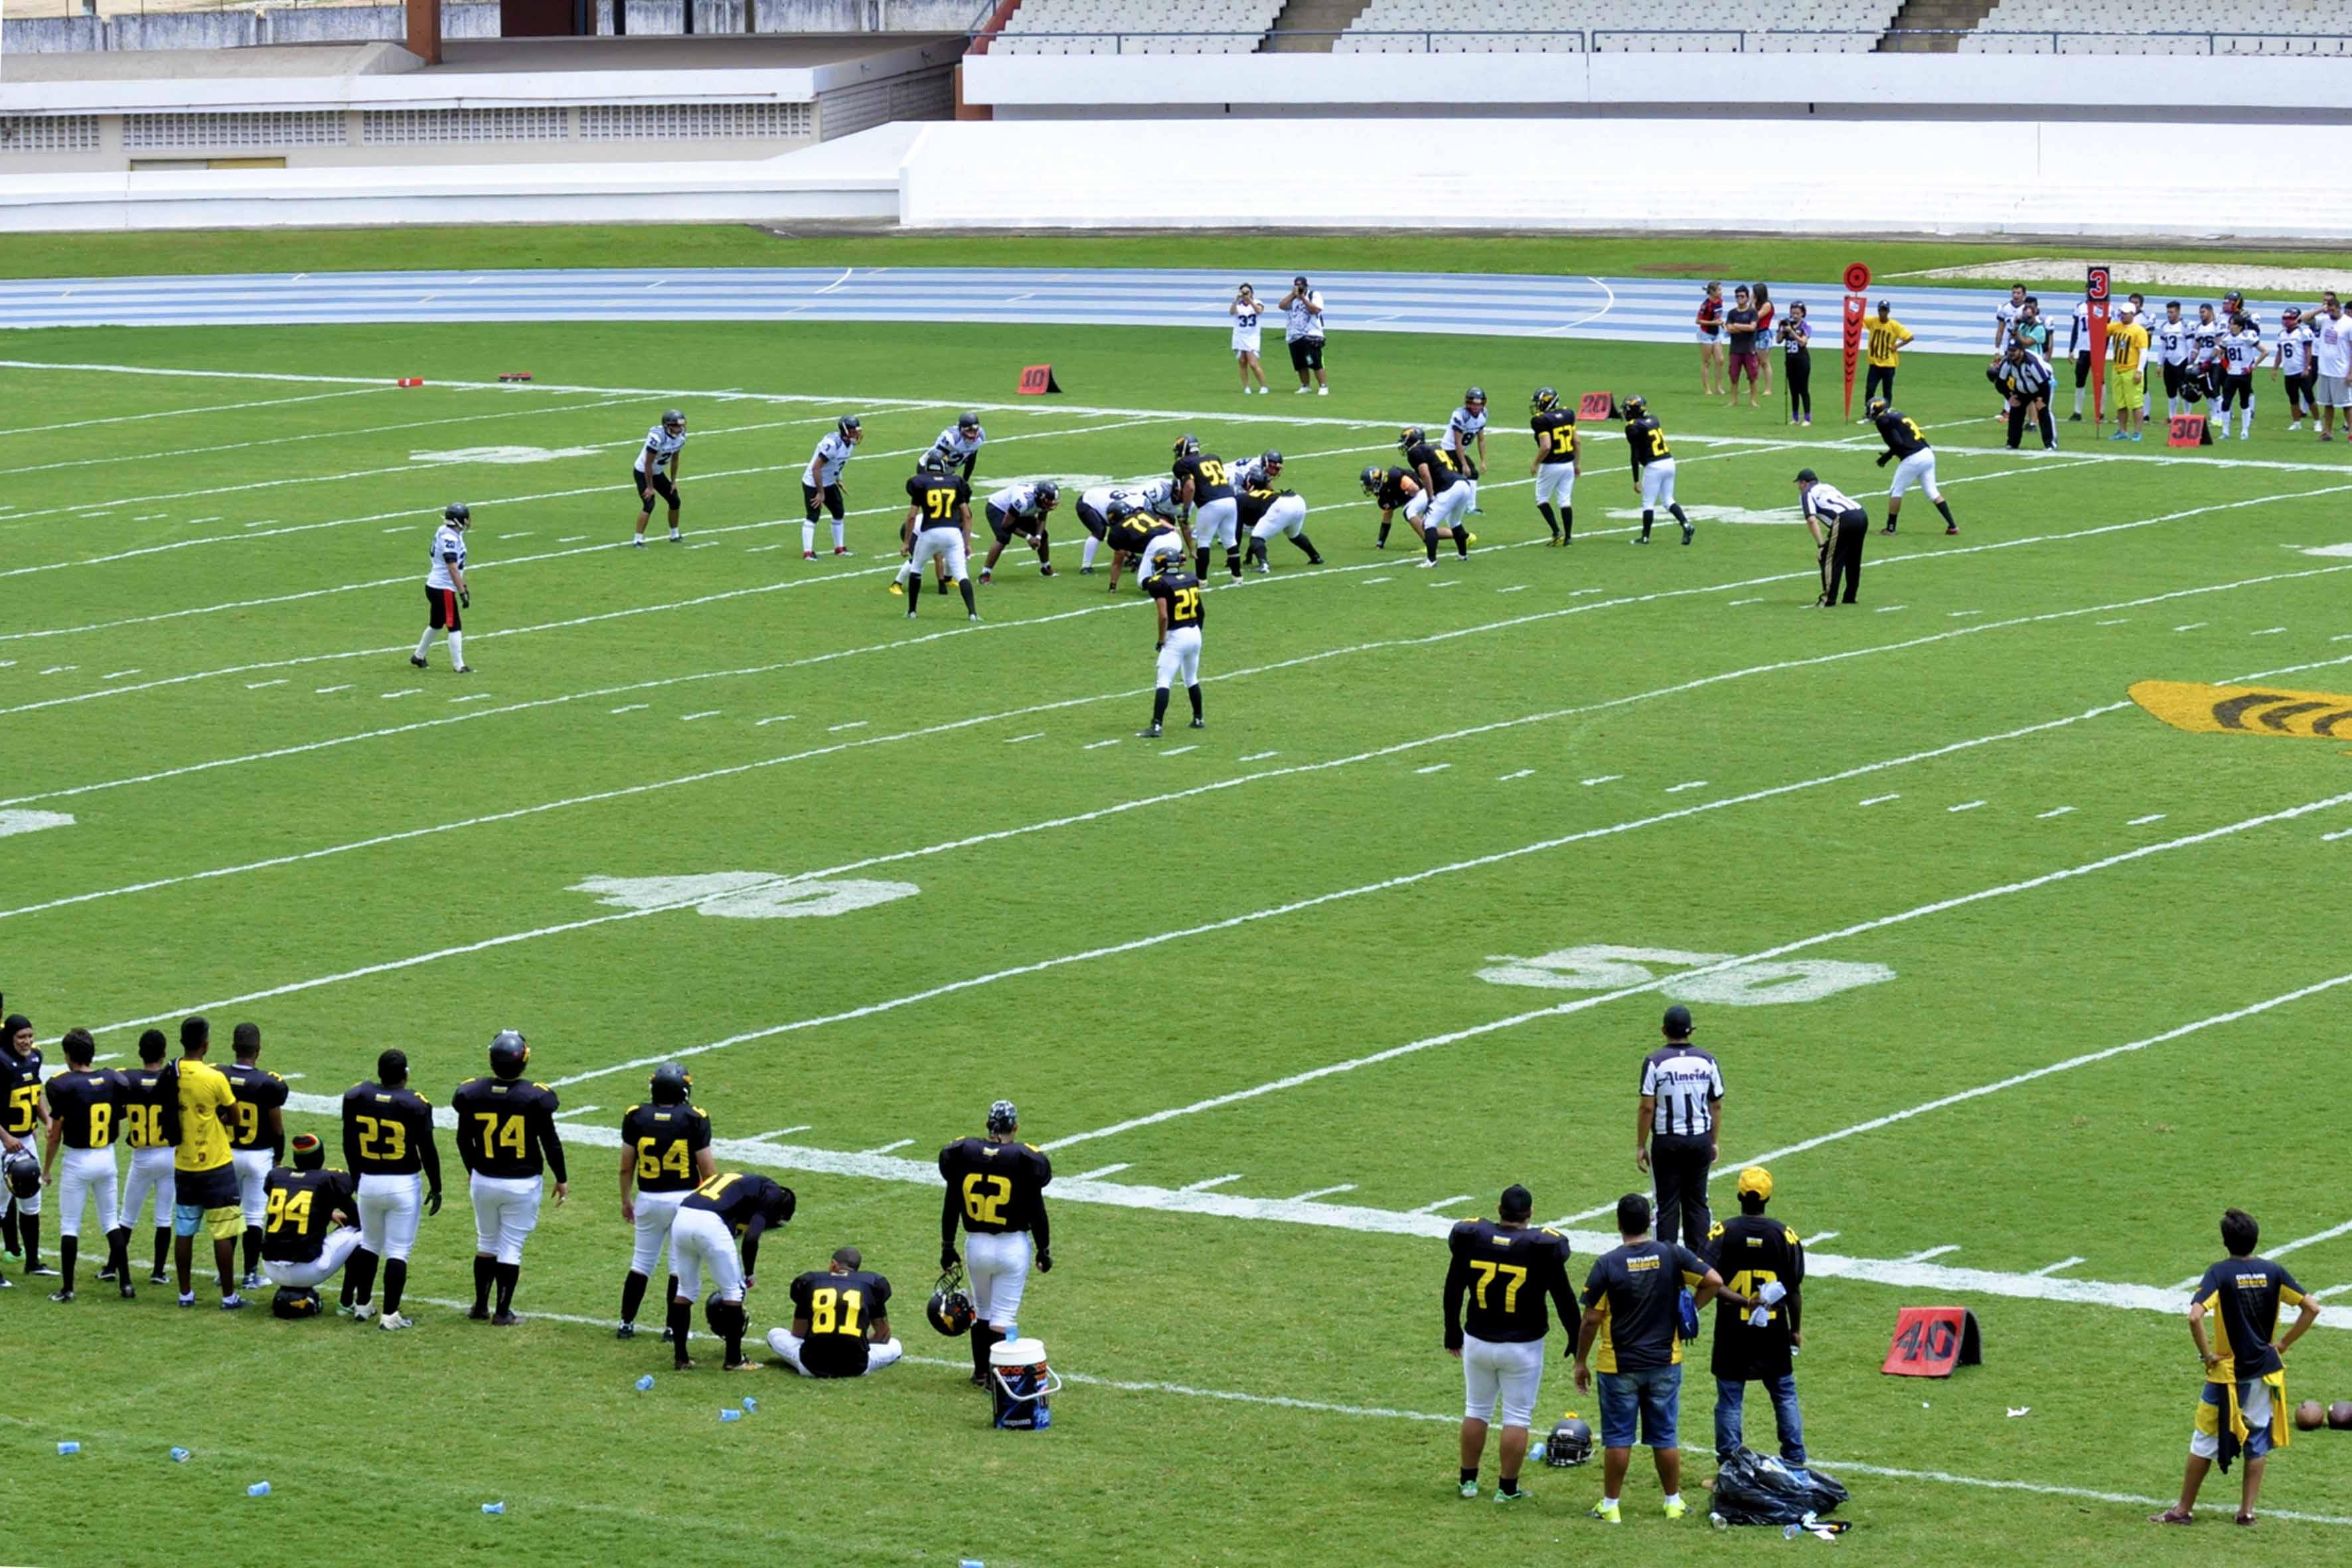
(1944, 794)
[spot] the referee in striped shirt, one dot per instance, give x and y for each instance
(2025, 379)
(1679, 1131)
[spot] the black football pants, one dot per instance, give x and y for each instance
(1679, 1166)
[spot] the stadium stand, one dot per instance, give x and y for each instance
(2163, 27)
(1138, 27)
(1664, 26)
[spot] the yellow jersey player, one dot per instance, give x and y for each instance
(996, 1192)
(24, 1117)
(1555, 467)
(1653, 466)
(203, 1179)
(1177, 597)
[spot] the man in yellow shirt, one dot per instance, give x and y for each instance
(1887, 337)
(203, 1176)
(2128, 352)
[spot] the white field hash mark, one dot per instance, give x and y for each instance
(2144, 821)
(1965, 806)
(1881, 799)
(1523, 773)
(1433, 768)
(2058, 811)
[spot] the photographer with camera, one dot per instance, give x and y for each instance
(1303, 332)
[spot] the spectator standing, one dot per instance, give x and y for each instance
(1797, 363)
(1710, 337)
(1303, 331)
(1678, 1130)
(1761, 298)
(2241, 1412)
(1739, 342)
(204, 1175)
(2331, 351)
(1762, 1260)
(1245, 309)
(1887, 337)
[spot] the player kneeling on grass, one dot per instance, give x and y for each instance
(1176, 595)
(1019, 512)
(841, 1322)
(937, 529)
(1267, 513)
(704, 1238)
(311, 1231)
(664, 445)
(821, 483)
(445, 588)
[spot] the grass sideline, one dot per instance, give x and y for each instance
(1678, 679)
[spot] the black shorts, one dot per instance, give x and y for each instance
(1305, 353)
(213, 1189)
(2173, 374)
(2302, 389)
(1006, 528)
(653, 479)
(441, 610)
(1093, 522)
(829, 498)
(2236, 388)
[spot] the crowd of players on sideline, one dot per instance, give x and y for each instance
(210, 1157)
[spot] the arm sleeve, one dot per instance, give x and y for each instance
(1563, 1294)
(947, 1211)
(750, 1249)
(428, 1150)
(1457, 1282)
(1043, 1230)
(469, 1147)
(550, 1141)
(350, 1140)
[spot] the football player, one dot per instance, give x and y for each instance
(1557, 464)
(1393, 490)
(256, 1137)
(726, 1211)
(937, 529)
(1916, 465)
(1465, 427)
(996, 1191)
(2243, 353)
(446, 595)
(388, 1145)
(959, 445)
(841, 1322)
(1176, 597)
(1505, 1268)
(821, 482)
(664, 448)
(1258, 473)
(506, 1135)
(311, 1231)
(1204, 487)
(148, 1111)
(1653, 466)
(81, 1118)
(1266, 513)
(665, 1156)
(1021, 510)
(24, 1117)
(1143, 524)
(1449, 494)
(1094, 515)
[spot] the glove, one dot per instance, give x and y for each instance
(1884, 458)
(947, 1258)
(432, 1202)
(1044, 1261)
(465, 599)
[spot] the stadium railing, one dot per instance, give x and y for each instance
(1724, 40)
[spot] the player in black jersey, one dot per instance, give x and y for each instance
(1177, 599)
(506, 1134)
(1504, 1269)
(1653, 466)
(841, 1322)
(1203, 486)
(1264, 512)
(388, 1145)
(725, 1211)
(256, 1137)
(996, 1191)
(1450, 495)
(1392, 490)
(937, 529)
(1759, 1258)
(1914, 460)
(82, 1120)
(1555, 467)
(312, 1230)
(24, 1117)
(665, 1156)
(147, 1110)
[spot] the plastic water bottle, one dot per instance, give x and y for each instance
(970, 1562)
(1790, 1531)
(1717, 1520)
(179, 1456)
(1535, 1451)
(645, 1382)
(1044, 1416)
(730, 1416)
(65, 1448)
(258, 1488)
(751, 1405)
(494, 1508)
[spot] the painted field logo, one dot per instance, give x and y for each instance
(744, 895)
(2203, 709)
(1603, 967)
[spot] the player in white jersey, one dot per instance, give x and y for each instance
(1094, 515)
(445, 597)
(2205, 353)
(1465, 428)
(2295, 369)
(1019, 512)
(2005, 317)
(1257, 473)
(2078, 345)
(959, 445)
(2241, 354)
(821, 482)
(1247, 309)
(663, 444)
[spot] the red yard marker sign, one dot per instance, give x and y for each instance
(1037, 380)
(1596, 405)
(1930, 1341)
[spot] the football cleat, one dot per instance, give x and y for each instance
(390, 1322)
(808, 554)
(1469, 1489)
(478, 1314)
(505, 1318)
(626, 1331)
(61, 1295)
(1512, 1497)
(416, 661)
(896, 589)
(1606, 1513)
(1200, 724)
(362, 1313)
(1150, 734)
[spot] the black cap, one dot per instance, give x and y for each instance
(1678, 1020)
(1807, 477)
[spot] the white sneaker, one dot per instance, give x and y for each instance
(392, 1320)
(1322, 392)
(1300, 392)
(2297, 425)
(362, 1313)
(1425, 564)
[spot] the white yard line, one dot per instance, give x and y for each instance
(213, 409)
(1922, 1256)
(2058, 1268)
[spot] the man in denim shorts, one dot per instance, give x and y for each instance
(1633, 1326)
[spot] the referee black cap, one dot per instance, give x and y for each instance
(1807, 477)
(1678, 1020)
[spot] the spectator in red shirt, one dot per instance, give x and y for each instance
(1710, 336)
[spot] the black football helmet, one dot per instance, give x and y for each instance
(672, 420)
(1272, 462)
(458, 512)
(850, 427)
(968, 423)
(721, 1316)
(1634, 406)
(294, 1303)
(1546, 399)
(508, 1052)
(1186, 447)
(671, 1083)
(1047, 492)
(1568, 1444)
(934, 462)
(1874, 408)
(951, 1308)
(24, 1171)
(1411, 435)
(1475, 394)
(1003, 1116)
(1373, 477)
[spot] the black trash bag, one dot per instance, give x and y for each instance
(1756, 1489)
